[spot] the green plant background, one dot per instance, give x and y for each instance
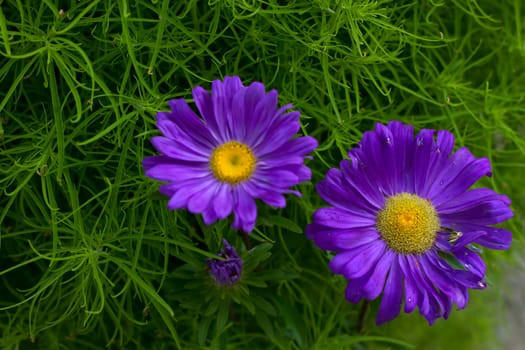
(89, 255)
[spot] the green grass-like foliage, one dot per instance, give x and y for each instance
(89, 255)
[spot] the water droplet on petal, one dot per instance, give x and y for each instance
(441, 182)
(420, 141)
(482, 284)
(409, 300)
(475, 248)
(388, 141)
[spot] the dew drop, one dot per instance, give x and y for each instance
(467, 266)
(482, 284)
(475, 248)
(420, 141)
(388, 141)
(441, 182)
(409, 300)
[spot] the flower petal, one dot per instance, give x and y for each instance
(376, 281)
(178, 150)
(362, 262)
(461, 172)
(340, 239)
(245, 212)
(412, 295)
(471, 261)
(180, 197)
(392, 295)
(223, 201)
(340, 218)
(188, 122)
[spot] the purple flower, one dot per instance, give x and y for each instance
(403, 220)
(226, 272)
(241, 148)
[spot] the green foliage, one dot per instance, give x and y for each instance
(90, 257)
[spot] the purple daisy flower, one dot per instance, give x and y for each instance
(403, 220)
(226, 272)
(241, 148)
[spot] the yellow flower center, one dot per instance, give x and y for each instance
(408, 223)
(232, 162)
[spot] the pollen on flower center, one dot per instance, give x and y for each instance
(408, 223)
(232, 162)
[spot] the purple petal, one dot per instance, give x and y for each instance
(438, 274)
(267, 123)
(412, 295)
(494, 237)
(471, 261)
(177, 172)
(377, 168)
(432, 158)
(340, 218)
(432, 303)
(484, 213)
(256, 187)
(376, 281)
(189, 123)
(245, 212)
(202, 199)
(462, 277)
(278, 178)
(302, 172)
(169, 127)
(261, 109)
(338, 195)
(278, 133)
(471, 199)
(292, 152)
(177, 151)
(274, 199)
(403, 139)
(240, 113)
(204, 103)
(461, 172)
(445, 142)
(338, 262)
(222, 96)
(181, 196)
(357, 182)
(223, 202)
(340, 239)
(354, 290)
(468, 279)
(365, 260)
(169, 189)
(267, 195)
(392, 296)
(150, 162)
(465, 238)
(209, 216)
